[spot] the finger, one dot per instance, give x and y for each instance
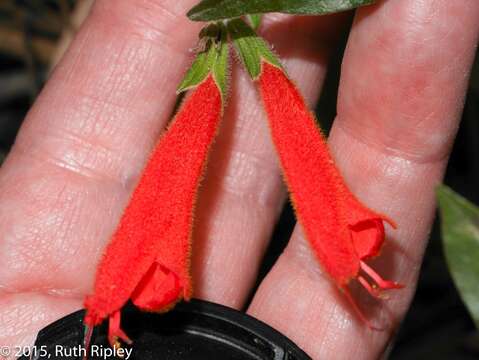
(243, 190)
(81, 148)
(403, 83)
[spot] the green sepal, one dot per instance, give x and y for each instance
(213, 59)
(460, 233)
(255, 20)
(220, 68)
(251, 48)
(198, 71)
(213, 10)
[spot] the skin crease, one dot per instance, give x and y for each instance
(79, 154)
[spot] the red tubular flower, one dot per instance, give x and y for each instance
(148, 258)
(342, 231)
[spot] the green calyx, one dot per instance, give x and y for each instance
(254, 20)
(211, 59)
(251, 48)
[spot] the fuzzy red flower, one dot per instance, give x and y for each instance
(341, 230)
(148, 258)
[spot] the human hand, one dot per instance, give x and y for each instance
(84, 143)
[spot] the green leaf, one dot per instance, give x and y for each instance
(255, 21)
(251, 48)
(460, 232)
(209, 10)
(212, 60)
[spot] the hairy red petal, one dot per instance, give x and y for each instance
(148, 256)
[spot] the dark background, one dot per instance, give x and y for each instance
(437, 325)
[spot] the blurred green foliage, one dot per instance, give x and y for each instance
(460, 233)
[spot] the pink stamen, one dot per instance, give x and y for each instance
(115, 332)
(383, 284)
(87, 340)
(372, 290)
